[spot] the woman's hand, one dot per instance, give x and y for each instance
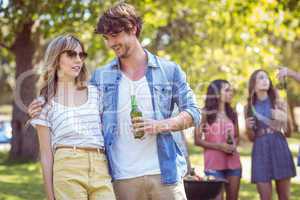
(279, 115)
(250, 122)
(227, 148)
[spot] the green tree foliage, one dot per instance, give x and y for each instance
(209, 38)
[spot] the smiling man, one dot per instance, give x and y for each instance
(151, 167)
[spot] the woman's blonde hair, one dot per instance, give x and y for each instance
(49, 80)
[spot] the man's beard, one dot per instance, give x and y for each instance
(126, 52)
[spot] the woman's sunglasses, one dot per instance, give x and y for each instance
(73, 54)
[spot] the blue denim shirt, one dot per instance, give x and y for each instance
(168, 86)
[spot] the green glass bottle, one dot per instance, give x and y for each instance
(229, 138)
(282, 85)
(135, 112)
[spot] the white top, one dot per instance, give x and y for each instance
(75, 126)
(134, 157)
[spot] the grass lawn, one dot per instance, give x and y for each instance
(24, 181)
(20, 181)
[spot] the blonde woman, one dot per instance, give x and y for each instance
(69, 127)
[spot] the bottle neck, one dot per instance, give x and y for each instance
(133, 103)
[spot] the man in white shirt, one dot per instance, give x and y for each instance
(151, 168)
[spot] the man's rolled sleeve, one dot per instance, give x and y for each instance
(184, 97)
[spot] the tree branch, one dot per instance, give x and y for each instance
(5, 46)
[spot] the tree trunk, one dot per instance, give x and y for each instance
(24, 144)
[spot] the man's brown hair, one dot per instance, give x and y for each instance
(121, 17)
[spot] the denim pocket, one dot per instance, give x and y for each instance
(109, 92)
(163, 97)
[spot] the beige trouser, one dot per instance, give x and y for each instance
(148, 188)
(81, 175)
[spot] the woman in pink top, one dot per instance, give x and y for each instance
(218, 135)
